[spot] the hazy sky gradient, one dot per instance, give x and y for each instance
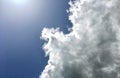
(21, 54)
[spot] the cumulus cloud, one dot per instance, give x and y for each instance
(92, 48)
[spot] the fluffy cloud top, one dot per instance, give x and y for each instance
(92, 48)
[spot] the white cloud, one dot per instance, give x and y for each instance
(92, 48)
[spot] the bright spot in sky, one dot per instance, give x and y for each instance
(19, 1)
(24, 10)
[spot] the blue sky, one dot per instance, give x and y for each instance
(21, 54)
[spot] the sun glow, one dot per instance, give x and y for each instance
(19, 1)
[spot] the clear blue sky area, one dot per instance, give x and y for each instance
(21, 54)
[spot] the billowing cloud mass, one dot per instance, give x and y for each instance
(92, 48)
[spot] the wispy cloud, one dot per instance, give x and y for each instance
(91, 49)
